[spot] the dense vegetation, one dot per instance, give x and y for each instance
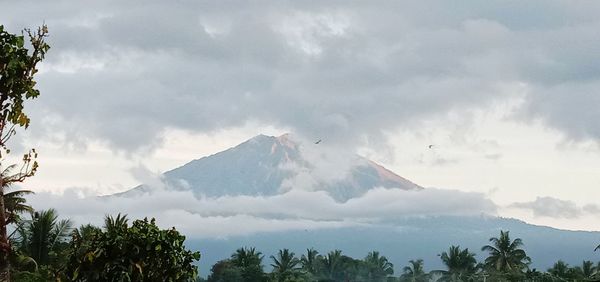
(18, 65)
(48, 249)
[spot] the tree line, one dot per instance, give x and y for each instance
(45, 248)
(506, 261)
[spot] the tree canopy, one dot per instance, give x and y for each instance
(140, 252)
(506, 255)
(18, 66)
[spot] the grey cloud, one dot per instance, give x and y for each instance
(557, 208)
(342, 69)
(591, 208)
(571, 107)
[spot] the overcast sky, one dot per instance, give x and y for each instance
(504, 90)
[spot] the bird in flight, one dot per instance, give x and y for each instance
(319, 141)
(430, 146)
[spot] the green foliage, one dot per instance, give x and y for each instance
(311, 262)
(505, 255)
(142, 252)
(15, 205)
(561, 270)
(45, 273)
(588, 270)
(115, 224)
(460, 264)
(378, 267)
(414, 272)
(17, 69)
(249, 261)
(245, 264)
(285, 265)
(43, 238)
(224, 271)
(86, 232)
(332, 264)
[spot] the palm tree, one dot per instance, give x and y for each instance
(506, 255)
(284, 264)
(115, 224)
(332, 262)
(83, 238)
(378, 266)
(14, 202)
(414, 272)
(588, 269)
(244, 257)
(87, 231)
(310, 261)
(460, 264)
(250, 262)
(41, 236)
(560, 269)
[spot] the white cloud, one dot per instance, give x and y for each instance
(241, 215)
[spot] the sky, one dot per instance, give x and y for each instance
(503, 90)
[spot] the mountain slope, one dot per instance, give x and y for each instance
(260, 166)
(414, 238)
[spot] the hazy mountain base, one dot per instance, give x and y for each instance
(413, 238)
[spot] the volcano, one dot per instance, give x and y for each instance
(269, 165)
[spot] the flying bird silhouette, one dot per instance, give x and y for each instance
(319, 141)
(430, 146)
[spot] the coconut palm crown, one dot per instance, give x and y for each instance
(506, 255)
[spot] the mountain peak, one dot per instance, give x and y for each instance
(262, 164)
(286, 139)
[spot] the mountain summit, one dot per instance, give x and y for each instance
(269, 165)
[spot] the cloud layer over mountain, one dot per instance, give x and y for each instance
(242, 215)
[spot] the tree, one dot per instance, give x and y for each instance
(284, 265)
(311, 261)
(378, 267)
(332, 263)
(14, 202)
(140, 252)
(250, 263)
(87, 231)
(588, 270)
(350, 269)
(460, 264)
(42, 237)
(414, 272)
(17, 69)
(115, 224)
(560, 270)
(506, 255)
(225, 271)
